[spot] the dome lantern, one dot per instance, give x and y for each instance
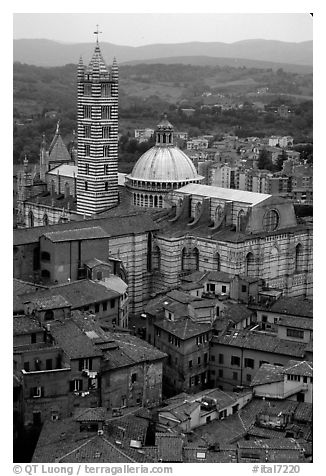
(164, 132)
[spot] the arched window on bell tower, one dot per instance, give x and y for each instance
(164, 132)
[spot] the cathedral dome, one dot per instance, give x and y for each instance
(164, 164)
(160, 170)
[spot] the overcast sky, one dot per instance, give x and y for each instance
(137, 29)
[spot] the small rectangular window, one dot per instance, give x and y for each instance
(220, 358)
(105, 306)
(235, 360)
(243, 288)
(133, 378)
(190, 364)
(249, 363)
(33, 338)
(112, 303)
(48, 364)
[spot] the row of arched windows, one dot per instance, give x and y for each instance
(148, 200)
(158, 185)
(190, 261)
(45, 219)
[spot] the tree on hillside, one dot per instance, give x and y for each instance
(280, 160)
(264, 160)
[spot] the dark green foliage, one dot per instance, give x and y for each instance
(280, 160)
(306, 152)
(40, 90)
(264, 160)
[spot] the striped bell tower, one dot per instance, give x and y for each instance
(97, 103)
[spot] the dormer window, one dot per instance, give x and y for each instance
(271, 220)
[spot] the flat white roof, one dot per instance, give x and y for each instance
(65, 170)
(224, 193)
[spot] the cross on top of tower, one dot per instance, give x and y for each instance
(97, 32)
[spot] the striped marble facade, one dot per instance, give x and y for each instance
(97, 180)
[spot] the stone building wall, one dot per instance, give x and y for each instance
(140, 384)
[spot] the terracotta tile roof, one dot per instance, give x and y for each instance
(204, 303)
(223, 399)
(92, 263)
(268, 373)
(181, 410)
(296, 322)
(293, 306)
(90, 414)
(130, 427)
(295, 367)
(177, 308)
(21, 288)
(181, 297)
(58, 438)
(62, 441)
(194, 277)
(262, 342)
(303, 412)
(169, 447)
(271, 443)
(131, 350)
(275, 407)
(97, 449)
(190, 286)
(47, 301)
(236, 312)
(195, 455)
(73, 341)
(219, 276)
(24, 287)
(77, 293)
(260, 432)
(90, 233)
(26, 325)
(184, 328)
(220, 431)
(120, 225)
(22, 349)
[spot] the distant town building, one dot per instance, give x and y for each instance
(143, 135)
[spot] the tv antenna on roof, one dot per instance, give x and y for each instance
(97, 32)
